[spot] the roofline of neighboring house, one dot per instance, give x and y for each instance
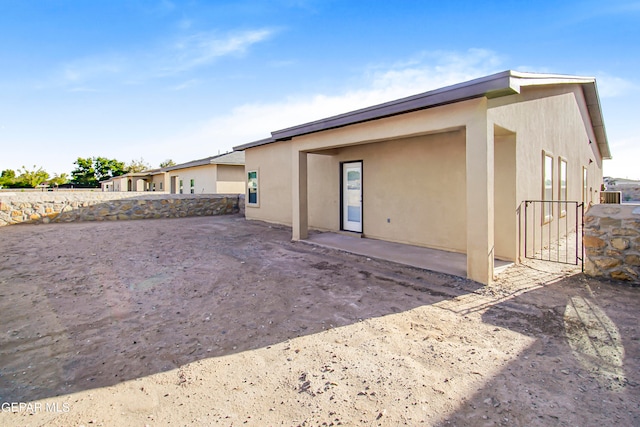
(133, 174)
(213, 160)
(496, 85)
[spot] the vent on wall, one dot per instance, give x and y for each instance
(610, 197)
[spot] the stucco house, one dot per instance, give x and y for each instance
(447, 169)
(221, 174)
(148, 180)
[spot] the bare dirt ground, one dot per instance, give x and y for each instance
(221, 321)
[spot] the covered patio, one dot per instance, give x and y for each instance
(414, 256)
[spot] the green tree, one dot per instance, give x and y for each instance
(31, 178)
(91, 170)
(85, 173)
(7, 178)
(107, 168)
(137, 166)
(167, 163)
(58, 180)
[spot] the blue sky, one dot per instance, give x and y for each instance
(182, 80)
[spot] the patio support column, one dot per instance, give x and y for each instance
(300, 215)
(480, 194)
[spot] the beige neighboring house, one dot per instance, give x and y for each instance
(447, 169)
(149, 180)
(221, 174)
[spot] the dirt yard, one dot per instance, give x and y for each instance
(220, 321)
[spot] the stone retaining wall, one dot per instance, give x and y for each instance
(45, 207)
(612, 242)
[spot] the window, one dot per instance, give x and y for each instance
(160, 185)
(252, 188)
(192, 185)
(181, 187)
(153, 187)
(585, 185)
(562, 194)
(547, 190)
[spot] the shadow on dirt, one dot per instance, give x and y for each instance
(87, 305)
(584, 358)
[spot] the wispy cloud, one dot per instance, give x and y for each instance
(379, 83)
(186, 85)
(612, 86)
(203, 48)
(172, 59)
(93, 67)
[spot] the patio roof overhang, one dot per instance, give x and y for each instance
(496, 85)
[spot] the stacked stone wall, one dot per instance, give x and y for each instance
(612, 242)
(56, 207)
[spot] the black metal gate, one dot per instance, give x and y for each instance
(553, 231)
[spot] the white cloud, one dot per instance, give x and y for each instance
(427, 71)
(91, 68)
(612, 86)
(182, 55)
(186, 85)
(203, 48)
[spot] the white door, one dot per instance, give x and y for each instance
(352, 196)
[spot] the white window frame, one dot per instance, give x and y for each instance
(563, 191)
(253, 187)
(547, 193)
(585, 185)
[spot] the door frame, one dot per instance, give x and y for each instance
(361, 196)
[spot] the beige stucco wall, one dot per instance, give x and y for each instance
(408, 185)
(230, 179)
(273, 163)
(204, 179)
(546, 120)
(505, 200)
(423, 173)
(161, 181)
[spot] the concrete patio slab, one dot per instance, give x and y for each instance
(415, 256)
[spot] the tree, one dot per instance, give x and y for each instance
(8, 178)
(167, 163)
(31, 178)
(91, 170)
(137, 166)
(58, 180)
(107, 168)
(85, 173)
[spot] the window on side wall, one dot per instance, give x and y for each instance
(547, 187)
(192, 186)
(181, 187)
(585, 186)
(252, 188)
(562, 187)
(160, 185)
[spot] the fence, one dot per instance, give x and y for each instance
(553, 231)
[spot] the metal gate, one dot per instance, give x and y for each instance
(553, 231)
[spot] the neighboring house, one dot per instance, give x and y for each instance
(221, 174)
(149, 180)
(447, 169)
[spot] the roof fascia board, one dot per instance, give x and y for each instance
(494, 85)
(257, 143)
